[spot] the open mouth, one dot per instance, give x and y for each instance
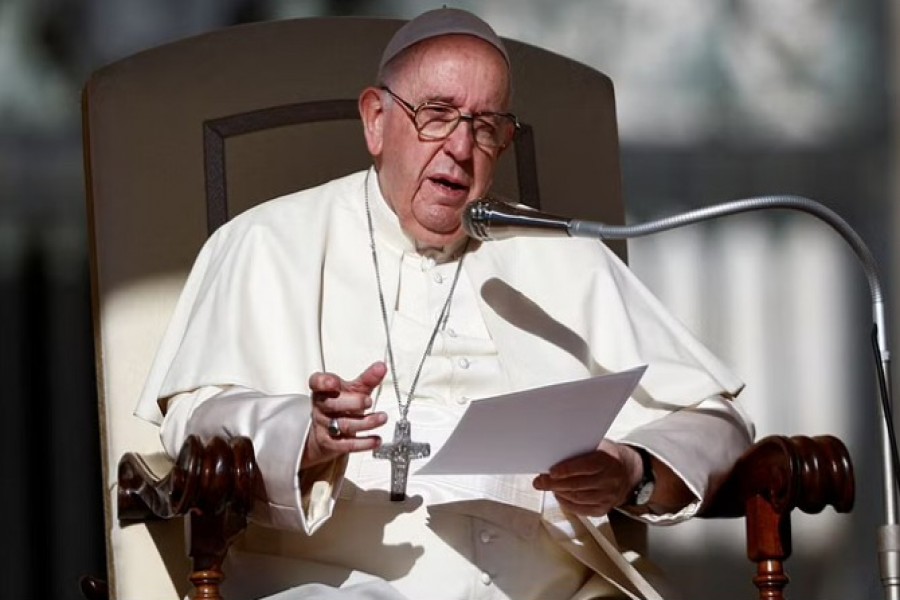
(449, 184)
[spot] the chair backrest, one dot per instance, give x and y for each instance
(180, 138)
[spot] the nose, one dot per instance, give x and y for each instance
(461, 143)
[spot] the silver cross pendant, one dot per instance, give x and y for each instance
(400, 452)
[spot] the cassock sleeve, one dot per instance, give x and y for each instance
(699, 443)
(278, 426)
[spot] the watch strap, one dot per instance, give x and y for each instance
(643, 491)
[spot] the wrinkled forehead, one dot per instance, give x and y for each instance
(445, 63)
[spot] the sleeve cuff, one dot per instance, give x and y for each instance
(278, 427)
(700, 444)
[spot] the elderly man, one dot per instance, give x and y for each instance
(325, 321)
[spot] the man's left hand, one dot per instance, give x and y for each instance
(593, 484)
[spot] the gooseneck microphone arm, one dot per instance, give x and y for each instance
(490, 219)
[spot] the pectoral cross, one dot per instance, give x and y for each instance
(400, 452)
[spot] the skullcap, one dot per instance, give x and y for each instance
(438, 22)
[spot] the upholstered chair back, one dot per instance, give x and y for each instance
(180, 138)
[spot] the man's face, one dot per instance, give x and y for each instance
(428, 183)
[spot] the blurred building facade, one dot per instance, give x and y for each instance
(716, 100)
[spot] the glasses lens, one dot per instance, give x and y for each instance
(436, 121)
(493, 131)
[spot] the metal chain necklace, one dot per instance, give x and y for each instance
(402, 449)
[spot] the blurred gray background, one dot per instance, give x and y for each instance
(717, 100)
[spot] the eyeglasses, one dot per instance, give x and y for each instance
(437, 120)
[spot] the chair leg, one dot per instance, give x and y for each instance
(210, 537)
(770, 579)
(207, 584)
(769, 545)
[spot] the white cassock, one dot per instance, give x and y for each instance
(288, 288)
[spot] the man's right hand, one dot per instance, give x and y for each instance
(347, 402)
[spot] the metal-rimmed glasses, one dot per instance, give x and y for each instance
(437, 120)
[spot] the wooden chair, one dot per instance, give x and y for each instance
(180, 138)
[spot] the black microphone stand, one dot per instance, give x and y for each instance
(889, 533)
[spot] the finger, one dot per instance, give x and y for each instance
(350, 426)
(369, 379)
(592, 463)
(345, 403)
(594, 497)
(354, 444)
(326, 384)
(572, 484)
(333, 447)
(583, 509)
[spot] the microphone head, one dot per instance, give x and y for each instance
(476, 219)
(487, 219)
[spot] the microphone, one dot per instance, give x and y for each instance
(488, 220)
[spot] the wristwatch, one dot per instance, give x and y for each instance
(643, 491)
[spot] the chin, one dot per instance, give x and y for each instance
(438, 238)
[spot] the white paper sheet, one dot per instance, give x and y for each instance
(530, 431)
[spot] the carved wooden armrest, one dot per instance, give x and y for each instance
(214, 485)
(775, 476)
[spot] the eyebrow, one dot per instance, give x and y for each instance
(442, 99)
(449, 101)
(475, 113)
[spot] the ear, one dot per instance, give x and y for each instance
(371, 111)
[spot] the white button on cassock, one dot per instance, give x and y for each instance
(485, 536)
(463, 363)
(438, 278)
(486, 578)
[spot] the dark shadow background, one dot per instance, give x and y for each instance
(51, 495)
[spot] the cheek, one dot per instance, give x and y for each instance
(413, 165)
(484, 174)
(399, 178)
